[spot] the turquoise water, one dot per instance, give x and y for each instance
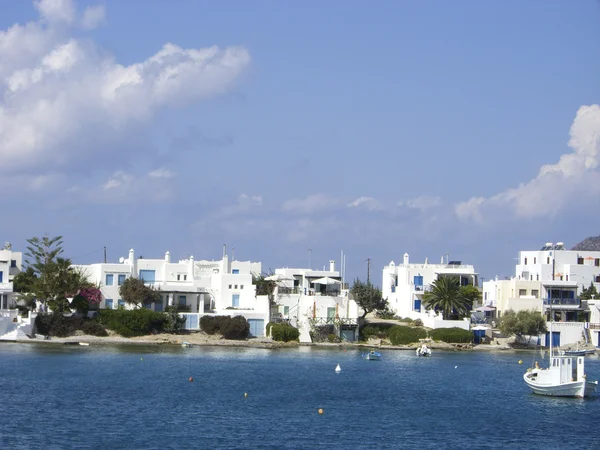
(140, 398)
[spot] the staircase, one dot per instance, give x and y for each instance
(19, 331)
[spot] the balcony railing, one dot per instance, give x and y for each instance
(563, 301)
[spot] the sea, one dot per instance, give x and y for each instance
(170, 397)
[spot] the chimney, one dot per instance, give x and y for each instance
(406, 259)
(331, 265)
(168, 256)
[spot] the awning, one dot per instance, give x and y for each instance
(485, 308)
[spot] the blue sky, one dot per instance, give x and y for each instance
(427, 127)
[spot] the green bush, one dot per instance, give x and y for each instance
(418, 323)
(332, 338)
(174, 323)
(80, 304)
(452, 335)
(230, 328)
(93, 328)
(284, 332)
(129, 323)
(57, 324)
(375, 331)
(401, 335)
(234, 328)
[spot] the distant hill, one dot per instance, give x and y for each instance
(590, 244)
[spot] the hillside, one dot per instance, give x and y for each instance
(591, 244)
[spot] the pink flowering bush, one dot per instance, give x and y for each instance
(91, 294)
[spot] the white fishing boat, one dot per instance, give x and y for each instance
(564, 377)
(423, 350)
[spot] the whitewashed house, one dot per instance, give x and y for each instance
(549, 280)
(11, 263)
(405, 284)
(221, 287)
(307, 298)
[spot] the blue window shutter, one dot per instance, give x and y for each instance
(235, 271)
(121, 279)
(417, 305)
(0, 276)
(235, 300)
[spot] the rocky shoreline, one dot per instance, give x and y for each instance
(201, 339)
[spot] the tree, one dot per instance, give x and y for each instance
(40, 256)
(24, 284)
(263, 286)
(522, 323)
(589, 293)
(135, 292)
(446, 295)
(368, 297)
(471, 294)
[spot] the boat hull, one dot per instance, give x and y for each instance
(577, 389)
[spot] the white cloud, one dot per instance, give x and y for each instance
(573, 178)
(62, 92)
(312, 204)
(119, 179)
(161, 173)
(367, 203)
(93, 16)
(422, 203)
(245, 204)
(56, 10)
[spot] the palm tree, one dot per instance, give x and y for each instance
(446, 295)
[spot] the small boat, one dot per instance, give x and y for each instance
(186, 345)
(423, 350)
(338, 369)
(85, 344)
(372, 356)
(564, 377)
(575, 352)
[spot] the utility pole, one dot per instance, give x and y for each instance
(105, 254)
(368, 270)
(309, 258)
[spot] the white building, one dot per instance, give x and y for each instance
(404, 285)
(200, 287)
(550, 279)
(11, 264)
(307, 298)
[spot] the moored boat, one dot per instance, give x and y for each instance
(372, 356)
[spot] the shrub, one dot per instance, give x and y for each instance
(385, 313)
(452, 335)
(80, 304)
(401, 335)
(321, 332)
(284, 332)
(174, 323)
(418, 323)
(93, 328)
(129, 323)
(209, 324)
(230, 328)
(57, 324)
(332, 338)
(236, 328)
(378, 331)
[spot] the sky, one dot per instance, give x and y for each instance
(294, 131)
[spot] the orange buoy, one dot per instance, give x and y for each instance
(190, 379)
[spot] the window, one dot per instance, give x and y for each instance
(109, 279)
(522, 292)
(417, 305)
(158, 306)
(235, 300)
(230, 286)
(147, 276)
(535, 292)
(0, 276)
(178, 277)
(236, 286)
(525, 261)
(485, 295)
(235, 271)
(286, 310)
(185, 278)
(121, 303)
(182, 300)
(108, 303)
(121, 279)
(13, 263)
(534, 260)
(580, 260)
(241, 286)
(597, 262)
(547, 260)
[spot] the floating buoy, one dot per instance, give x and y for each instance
(190, 379)
(455, 367)
(245, 395)
(320, 411)
(520, 362)
(338, 369)
(141, 359)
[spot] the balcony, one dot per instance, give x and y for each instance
(6, 287)
(563, 302)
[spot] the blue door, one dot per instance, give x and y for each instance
(417, 305)
(555, 339)
(257, 327)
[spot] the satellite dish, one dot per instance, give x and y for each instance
(121, 260)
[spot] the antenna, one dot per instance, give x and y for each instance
(368, 270)
(105, 254)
